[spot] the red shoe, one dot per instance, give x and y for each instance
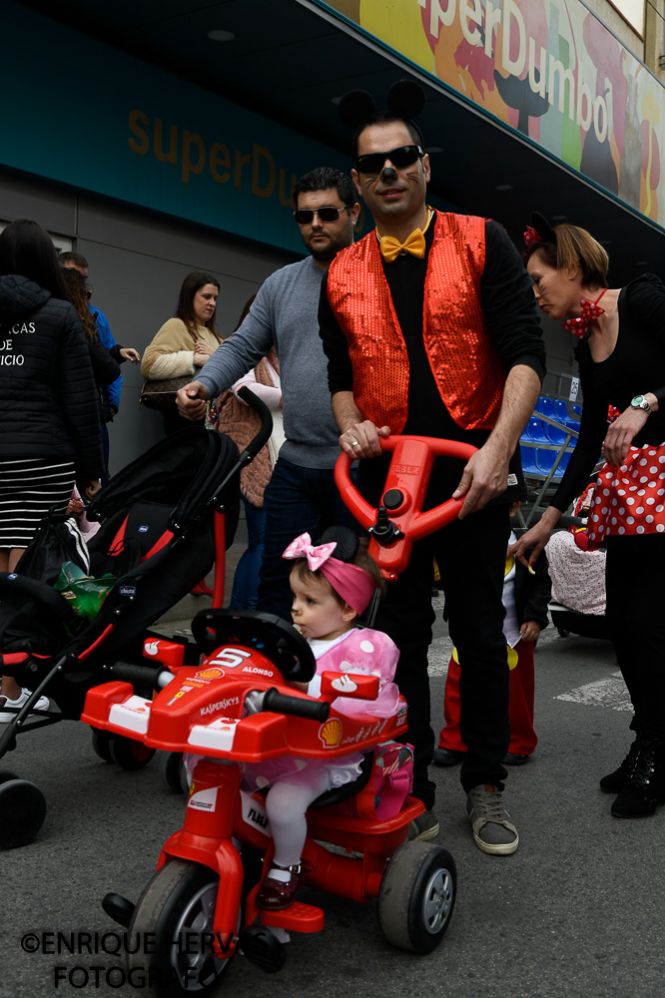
(202, 589)
(277, 894)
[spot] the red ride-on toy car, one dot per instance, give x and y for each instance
(199, 909)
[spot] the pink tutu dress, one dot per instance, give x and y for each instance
(362, 651)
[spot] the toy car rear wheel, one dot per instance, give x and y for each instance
(129, 754)
(22, 811)
(417, 896)
(101, 744)
(175, 910)
(172, 772)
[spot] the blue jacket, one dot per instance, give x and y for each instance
(107, 340)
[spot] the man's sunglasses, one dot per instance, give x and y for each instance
(373, 162)
(305, 216)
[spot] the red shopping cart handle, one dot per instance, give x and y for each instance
(400, 520)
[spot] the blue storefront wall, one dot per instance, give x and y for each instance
(78, 111)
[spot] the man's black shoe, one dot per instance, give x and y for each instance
(447, 757)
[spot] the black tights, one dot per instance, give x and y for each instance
(635, 575)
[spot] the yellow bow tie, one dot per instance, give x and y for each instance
(414, 244)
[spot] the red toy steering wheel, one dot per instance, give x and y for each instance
(400, 520)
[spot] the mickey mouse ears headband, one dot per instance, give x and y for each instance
(540, 231)
(405, 100)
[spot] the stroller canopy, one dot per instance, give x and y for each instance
(185, 470)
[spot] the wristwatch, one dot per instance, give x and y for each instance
(639, 402)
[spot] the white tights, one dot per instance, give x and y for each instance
(286, 805)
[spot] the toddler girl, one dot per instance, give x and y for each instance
(329, 594)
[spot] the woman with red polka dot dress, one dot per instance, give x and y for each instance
(621, 357)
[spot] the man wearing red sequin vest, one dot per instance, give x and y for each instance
(430, 328)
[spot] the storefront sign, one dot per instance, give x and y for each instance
(550, 69)
(80, 112)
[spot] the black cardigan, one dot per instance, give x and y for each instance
(636, 366)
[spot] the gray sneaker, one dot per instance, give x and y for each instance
(493, 831)
(424, 827)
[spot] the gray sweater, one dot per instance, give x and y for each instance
(285, 314)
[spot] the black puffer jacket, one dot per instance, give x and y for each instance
(48, 397)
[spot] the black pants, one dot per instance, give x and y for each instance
(635, 578)
(471, 555)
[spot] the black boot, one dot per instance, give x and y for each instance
(613, 783)
(644, 787)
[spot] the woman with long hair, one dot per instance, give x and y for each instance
(49, 424)
(621, 357)
(185, 342)
(105, 366)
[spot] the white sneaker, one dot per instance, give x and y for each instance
(22, 698)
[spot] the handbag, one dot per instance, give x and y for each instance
(57, 540)
(161, 394)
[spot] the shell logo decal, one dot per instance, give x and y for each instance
(212, 673)
(330, 733)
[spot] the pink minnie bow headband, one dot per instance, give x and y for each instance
(352, 583)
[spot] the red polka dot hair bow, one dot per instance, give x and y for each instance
(579, 326)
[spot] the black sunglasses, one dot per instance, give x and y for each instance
(305, 216)
(373, 162)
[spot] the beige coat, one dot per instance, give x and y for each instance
(171, 352)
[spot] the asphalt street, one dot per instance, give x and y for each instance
(577, 911)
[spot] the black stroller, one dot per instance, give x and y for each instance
(165, 519)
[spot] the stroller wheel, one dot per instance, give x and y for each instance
(172, 772)
(22, 811)
(177, 907)
(101, 744)
(129, 754)
(417, 896)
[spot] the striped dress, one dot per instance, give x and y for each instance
(29, 489)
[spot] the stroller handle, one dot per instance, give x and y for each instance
(263, 435)
(250, 451)
(400, 520)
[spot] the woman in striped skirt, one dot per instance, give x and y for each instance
(49, 424)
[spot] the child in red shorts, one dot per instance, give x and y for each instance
(525, 598)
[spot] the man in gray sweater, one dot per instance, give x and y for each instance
(302, 494)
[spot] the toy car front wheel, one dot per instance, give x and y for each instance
(417, 896)
(22, 811)
(175, 913)
(129, 754)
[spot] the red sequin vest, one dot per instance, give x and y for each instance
(466, 367)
